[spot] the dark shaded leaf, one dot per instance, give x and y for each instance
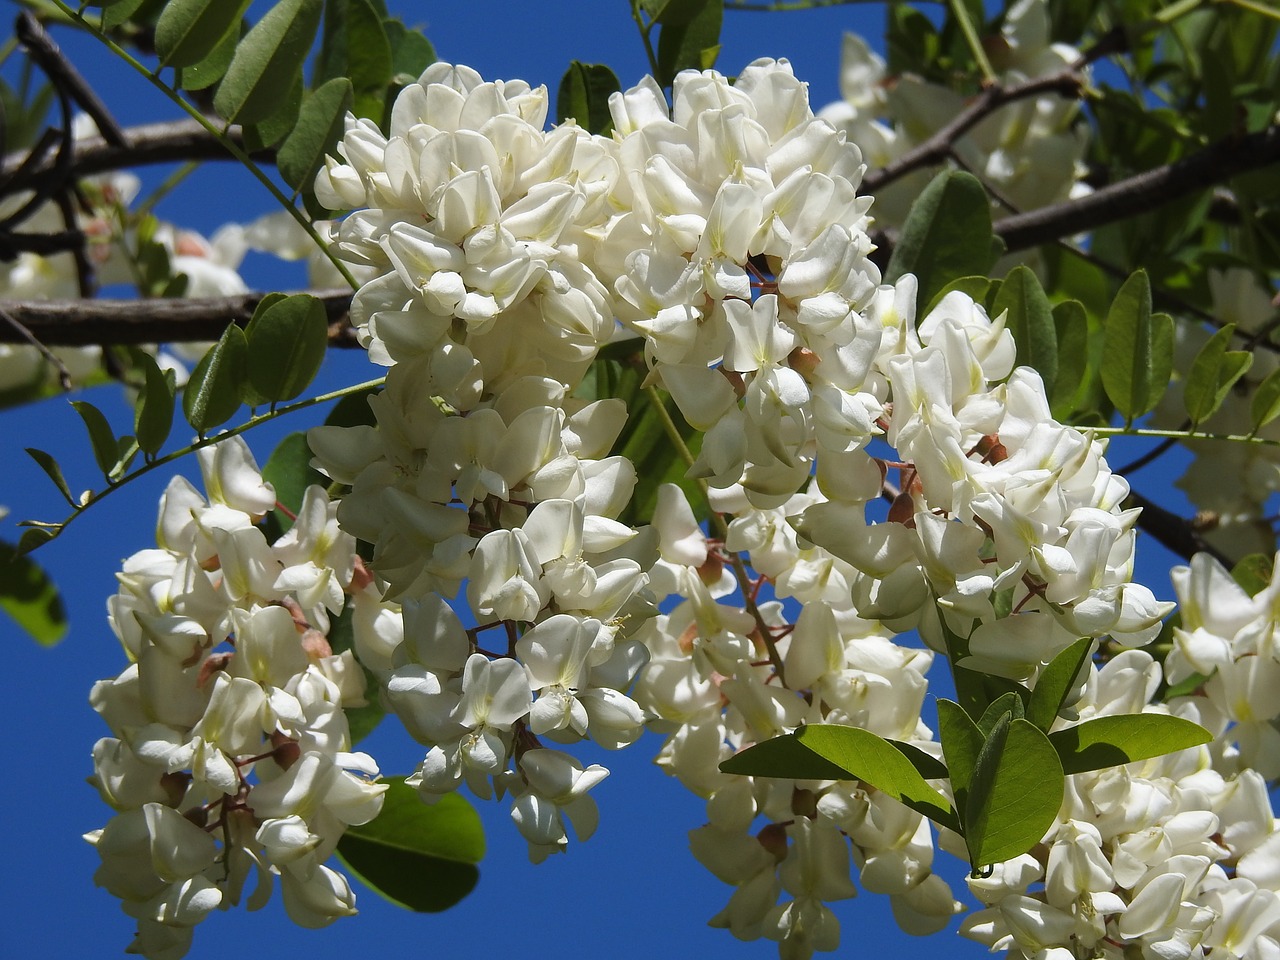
(689, 38)
(53, 472)
(961, 743)
(417, 856)
(289, 471)
(189, 30)
(584, 96)
(262, 72)
(106, 451)
(153, 414)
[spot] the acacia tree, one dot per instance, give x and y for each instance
(698, 410)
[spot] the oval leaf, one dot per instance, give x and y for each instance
(961, 745)
(947, 234)
(1030, 320)
(54, 472)
(689, 38)
(319, 126)
(1056, 682)
(872, 759)
(417, 856)
(261, 74)
(106, 451)
(1071, 325)
(153, 415)
(1111, 741)
(189, 30)
(286, 344)
(1014, 794)
(1137, 349)
(584, 96)
(213, 392)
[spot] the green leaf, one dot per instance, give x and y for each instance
(319, 127)
(1254, 572)
(417, 856)
(353, 410)
(213, 392)
(355, 44)
(928, 766)
(1071, 325)
(37, 536)
(286, 344)
(1056, 682)
(690, 37)
(266, 61)
(153, 414)
(833, 752)
(1213, 372)
(202, 75)
(947, 235)
(1030, 320)
(1111, 741)
(106, 451)
(289, 471)
(30, 598)
(269, 131)
(1137, 350)
(1014, 794)
(411, 52)
(975, 288)
(189, 30)
(53, 472)
(584, 96)
(961, 743)
(1265, 405)
(1006, 703)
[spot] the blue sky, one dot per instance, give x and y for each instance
(633, 890)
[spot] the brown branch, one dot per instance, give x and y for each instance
(151, 143)
(938, 147)
(65, 323)
(1175, 533)
(1142, 192)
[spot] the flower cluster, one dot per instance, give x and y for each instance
(1028, 153)
(725, 230)
(231, 754)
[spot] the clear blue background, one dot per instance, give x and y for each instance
(633, 890)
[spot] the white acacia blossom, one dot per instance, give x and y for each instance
(722, 232)
(230, 756)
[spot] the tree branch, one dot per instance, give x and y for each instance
(151, 143)
(1175, 533)
(1142, 192)
(939, 146)
(66, 323)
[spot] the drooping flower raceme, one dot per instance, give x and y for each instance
(230, 756)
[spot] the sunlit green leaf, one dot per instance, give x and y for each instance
(1111, 741)
(1071, 325)
(961, 743)
(1265, 405)
(689, 36)
(1212, 374)
(1014, 793)
(1056, 682)
(1254, 572)
(1137, 353)
(202, 75)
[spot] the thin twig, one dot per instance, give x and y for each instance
(63, 75)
